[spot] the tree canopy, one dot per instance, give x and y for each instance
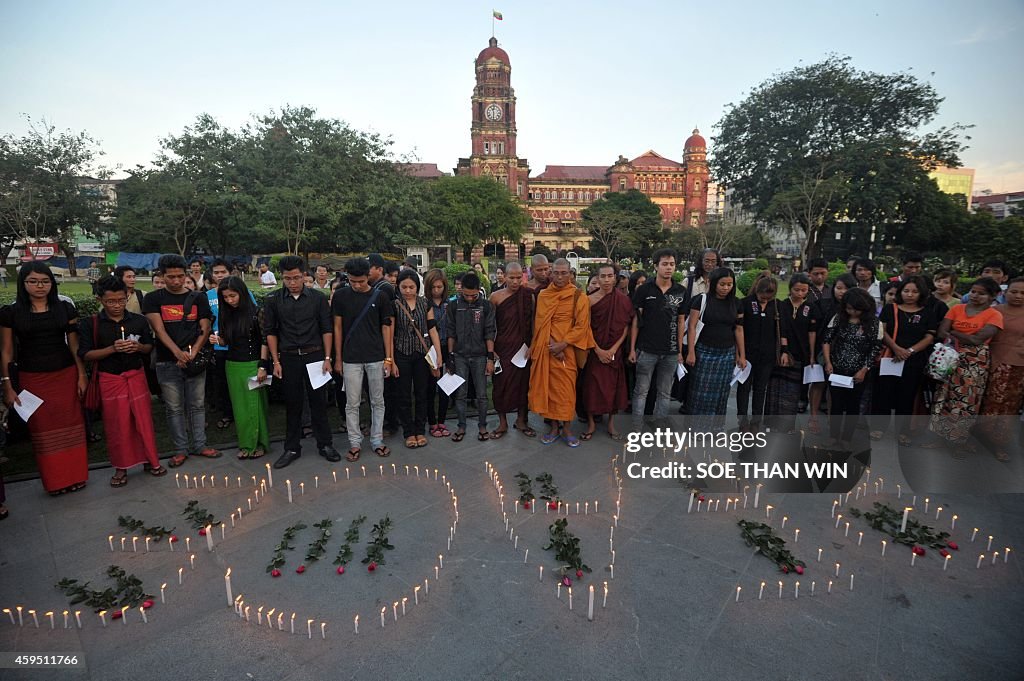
(625, 222)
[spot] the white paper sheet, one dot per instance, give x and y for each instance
(890, 367)
(680, 371)
(449, 383)
(841, 381)
(317, 377)
(740, 375)
(814, 373)
(255, 384)
(28, 406)
(433, 357)
(519, 359)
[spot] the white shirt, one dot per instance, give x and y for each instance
(268, 280)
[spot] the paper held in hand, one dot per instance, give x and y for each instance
(28, 406)
(520, 359)
(680, 370)
(254, 382)
(890, 367)
(740, 375)
(317, 377)
(841, 381)
(449, 383)
(433, 361)
(814, 373)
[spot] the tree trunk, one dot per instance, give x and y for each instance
(69, 253)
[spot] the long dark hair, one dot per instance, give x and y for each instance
(924, 292)
(23, 304)
(235, 323)
(859, 300)
(698, 267)
(634, 278)
(717, 275)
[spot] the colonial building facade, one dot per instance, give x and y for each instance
(556, 197)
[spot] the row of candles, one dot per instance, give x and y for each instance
(796, 589)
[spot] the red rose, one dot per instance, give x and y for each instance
(300, 569)
(953, 546)
(202, 532)
(785, 569)
(553, 504)
(275, 573)
(799, 569)
(147, 604)
(579, 574)
(174, 538)
(566, 581)
(918, 550)
(341, 569)
(116, 615)
(371, 567)
(526, 505)
(943, 552)
(700, 498)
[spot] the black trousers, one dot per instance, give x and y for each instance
(845, 410)
(757, 383)
(413, 390)
(218, 372)
(296, 389)
(440, 415)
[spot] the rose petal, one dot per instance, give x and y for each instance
(116, 615)
(371, 567)
(174, 538)
(566, 581)
(526, 505)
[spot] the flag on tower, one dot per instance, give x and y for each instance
(497, 15)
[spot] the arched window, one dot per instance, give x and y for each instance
(622, 184)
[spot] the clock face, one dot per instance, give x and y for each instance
(493, 112)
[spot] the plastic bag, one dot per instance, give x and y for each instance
(942, 362)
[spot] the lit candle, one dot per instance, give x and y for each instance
(780, 588)
(440, 559)
(699, 502)
(382, 611)
(813, 583)
(612, 568)
(50, 615)
(203, 480)
(222, 530)
(436, 575)
(839, 519)
(163, 587)
(247, 613)
(604, 601)
(177, 480)
(65, 619)
(526, 556)
(540, 574)
(989, 547)
(356, 623)
(760, 591)
(227, 586)
(148, 539)
(851, 582)
(259, 615)
(837, 569)
(103, 617)
(768, 511)
(323, 630)
(796, 536)
(347, 473)
(188, 544)
(291, 623)
(995, 554)
(1006, 554)
(595, 505)
(974, 534)
(717, 502)
(784, 519)
(192, 561)
(426, 587)
(846, 533)
(860, 538)
(280, 621)
(270, 475)
(135, 544)
(819, 554)
(302, 489)
(738, 589)
(913, 557)
(416, 594)
(980, 558)
(926, 500)
(952, 524)
(239, 480)
(757, 494)
(586, 508)
(124, 615)
(225, 481)
(179, 575)
(883, 548)
(142, 611)
(288, 484)
(945, 563)
(829, 590)
(334, 474)
(570, 598)
(796, 592)
(404, 599)
(209, 538)
(938, 512)
(270, 618)
(906, 514)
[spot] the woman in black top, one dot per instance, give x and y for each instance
(48, 366)
(241, 330)
(761, 339)
(852, 341)
(909, 326)
(415, 336)
(796, 325)
(823, 311)
(719, 347)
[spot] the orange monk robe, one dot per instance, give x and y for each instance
(553, 381)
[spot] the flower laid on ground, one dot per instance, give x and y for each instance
(887, 519)
(200, 517)
(567, 550)
(345, 552)
(371, 567)
(953, 546)
(341, 569)
(275, 573)
(300, 569)
(770, 545)
(131, 524)
(378, 543)
(128, 592)
(525, 488)
(278, 560)
(319, 546)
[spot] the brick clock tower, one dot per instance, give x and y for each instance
(493, 130)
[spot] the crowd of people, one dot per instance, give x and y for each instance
(407, 346)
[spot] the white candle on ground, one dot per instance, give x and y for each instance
(288, 484)
(796, 536)
(142, 611)
(103, 617)
(123, 540)
(416, 594)
(738, 589)
(796, 591)
(426, 587)
(590, 603)
(768, 511)
(839, 519)
(784, 519)
(222, 529)
(906, 514)
(440, 560)
(989, 547)
(280, 621)
(163, 588)
(356, 623)
(952, 524)
(177, 480)
(192, 561)
(65, 619)
(780, 588)
(851, 582)
(323, 630)
(757, 494)
(270, 618)
(309, 628)
(974, 534)
(180, 570)
(110, 540)
(819, 554)
(926, 500)
(883, 548)
(540, 574)
(227, 586)
(829, 590)
(124, 615)
(760, 591)
(209, 538)
(188, 544)
(846, 533)
(945, 563)
(347, 473)
(837, 569)
(604, 601)
(302, 488)
(1006, 554)
(938, 512)
(913, 557)
(570, 598)
(334, 474)
(860, 538)
(526, 555)
(135, 544)
(995, 554)
(436, 576)
(980, 558)
(612, 568)
(404, 599)
(292, 623)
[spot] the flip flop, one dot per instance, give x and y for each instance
(120, 478)
(411, 442)
(458, 436)
(618, 437)
(353, 454)
(421, 441)
(548, 438)
(498, 434)
(527, 431)
(224, 423)
(483, 436)
(158, 471)
(572, 441)
(587, 435)
(177, 460)
(257, 453)
(242, 454)
(382, 451)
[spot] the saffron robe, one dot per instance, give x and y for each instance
(553, 381)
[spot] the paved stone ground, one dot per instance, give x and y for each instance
(671, 611)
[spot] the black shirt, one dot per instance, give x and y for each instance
(658, 317)
(760, 335)
(297, 323)
(181, 325)
(132, 325)
(720, 320)
(246, 348)
(796, 328)
(912, 326)
(364, 343)
(41, 336)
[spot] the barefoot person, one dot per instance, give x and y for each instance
(561, 327)
(119, 342)
(604, 377)
(513, 316)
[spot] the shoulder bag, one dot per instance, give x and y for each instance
(93, 400)
(419, 334)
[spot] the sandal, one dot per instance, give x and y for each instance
(177, 460)
(225, 423)
(526, 430)
(572, 441)
(587, 435)
(353, 455)
(443, 429)
(411, 442)
(618, 437)
(77, 486)
(498, 434)
(307, 432)
(421, 441)
(458, 435)
(548, 438)
(483, 436)
(905, 441)
(257, 453)
(875, 435)
(382, 451)
(243, 454)
(120, 478)
(158, 471)
(435, 431)
(1002, 456)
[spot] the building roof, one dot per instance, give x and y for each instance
(492, 50)
(652, 159)
(984, 199)
(425, 170)
(573, 173)
(695, 141)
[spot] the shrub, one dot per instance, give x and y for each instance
(835, 270)
(746, 281)
(85, 303)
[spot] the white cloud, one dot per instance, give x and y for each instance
(1000, 178)
(986, 34)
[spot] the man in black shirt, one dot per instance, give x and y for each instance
(817, 272)
(181, 323)
(654, 338)
(363, 347)
(382, 275)
(297, 324)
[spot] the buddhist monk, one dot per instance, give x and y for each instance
(513, 313)
(540, 273)
(604, 377)
(561, 325)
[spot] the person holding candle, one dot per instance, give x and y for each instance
(513, 318)
(245, 355)
(717, 348)
(415, 336)
(604, 377)
(797, 326)
(181, 323)
(48, 366)
(957, 403)
(118, 344)
(852, 341)
(1004, 393)
(218, 272)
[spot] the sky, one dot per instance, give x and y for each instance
(593, 80)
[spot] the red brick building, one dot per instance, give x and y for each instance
(556, 197)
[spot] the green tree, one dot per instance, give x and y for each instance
(828, 141)
(625, 221)
(465, 211)
(158, 210)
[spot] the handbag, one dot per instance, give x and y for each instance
(419, 334)
(581, 354)
(93, 401)
(204, 358)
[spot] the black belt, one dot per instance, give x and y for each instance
(311, 350)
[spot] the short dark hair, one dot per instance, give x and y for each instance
(197, 259)
(120, 270)
(409, 274)
(663, 253)
(357, 267)
(411, 262)
(471, 281)
(912, 256)
(291, 262)
(391, 266)
(321, 265)
(459, 276)
(945, 273)
(859, 300)
(376, 260)
(597, 270)
(799, 278)
(816, 262)
(220, 262)
(989, 284)
(996, 264)
(109, 282)
(171, 261)
(866, 264)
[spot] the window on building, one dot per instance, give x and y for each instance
(572, 195)
(487, 148)
(519, 188)
(696, 185)
(547, 196)
(501, 147)
(694, 219)
(622, 184)
(567, 226)
(643, 185)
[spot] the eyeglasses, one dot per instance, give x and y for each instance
(37, 282)
(115, 303)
